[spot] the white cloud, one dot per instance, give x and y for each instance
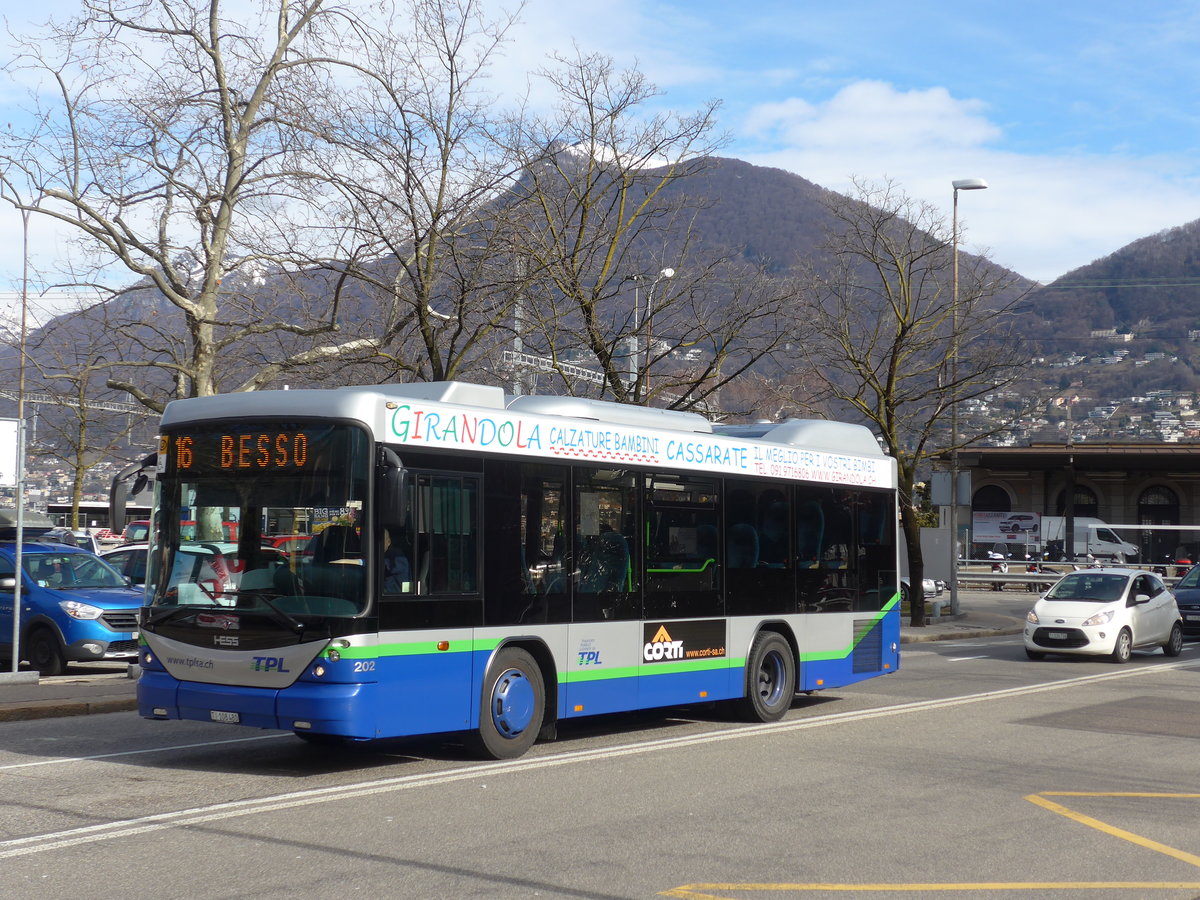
(871, 116)
(1044, 214)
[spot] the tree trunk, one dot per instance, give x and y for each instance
(916, 565)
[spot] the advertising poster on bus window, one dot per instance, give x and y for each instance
(1006, 527)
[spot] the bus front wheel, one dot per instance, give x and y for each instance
(512, 705)
(770, 679)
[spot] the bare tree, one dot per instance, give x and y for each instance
(79, 422)
(417, 171)
(890, 344)
(174, 151)
(603, 217)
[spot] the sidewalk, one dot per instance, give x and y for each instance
(80, 692)
(981, 614)
(97, 688)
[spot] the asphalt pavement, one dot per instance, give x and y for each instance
(105, 687)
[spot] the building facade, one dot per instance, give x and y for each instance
(1147, 485)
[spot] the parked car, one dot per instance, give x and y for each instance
(137, 531)
(71, 538)
(213, 562)
(932, 588)
(293, 545)
(1104, 612)
(1187, 597)
(75, 607)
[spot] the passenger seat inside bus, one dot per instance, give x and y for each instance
(742, 546)
(605, 568)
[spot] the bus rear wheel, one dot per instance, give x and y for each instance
(770, 679)
(512, 706)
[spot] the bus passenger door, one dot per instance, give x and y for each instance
(683, 661)
(427, 620)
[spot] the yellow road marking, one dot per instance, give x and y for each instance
(1040, 800)
(700, 891)
(703, 891)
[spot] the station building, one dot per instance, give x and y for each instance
(1150, 484)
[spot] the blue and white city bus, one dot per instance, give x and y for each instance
(491, 564)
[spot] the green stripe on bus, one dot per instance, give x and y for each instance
(416, 648)
(854, 641)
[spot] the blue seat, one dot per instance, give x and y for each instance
(606, 567)
(741, 546)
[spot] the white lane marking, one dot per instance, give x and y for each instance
(962, 658)
(57, 760)
(58, 840)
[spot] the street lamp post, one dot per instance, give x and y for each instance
(961, 184)
(15, 637)
(640, 320)
(665, 273)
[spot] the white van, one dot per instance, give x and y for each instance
(1092, 536)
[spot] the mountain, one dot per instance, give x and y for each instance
(1147, 289)
(1141, 302)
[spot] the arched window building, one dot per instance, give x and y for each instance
(1136, 488)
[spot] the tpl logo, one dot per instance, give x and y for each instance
(268, 664)
(590, 658)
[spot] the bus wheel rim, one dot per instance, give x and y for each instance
(770, 678)
(512, 703)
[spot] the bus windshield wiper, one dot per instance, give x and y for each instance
(294, 624)
(164, 615)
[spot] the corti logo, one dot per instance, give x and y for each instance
(661, 647)
(268, 664)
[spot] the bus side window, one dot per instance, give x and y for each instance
(605, 554)
(446, 541)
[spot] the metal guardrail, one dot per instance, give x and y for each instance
(983, 579)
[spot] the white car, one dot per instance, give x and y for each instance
(1019, 522)
(931, 588)
(1104, 612)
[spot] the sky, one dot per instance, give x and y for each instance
(1084, 118)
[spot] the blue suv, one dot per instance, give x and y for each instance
(75, 607)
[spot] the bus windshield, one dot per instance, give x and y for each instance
(266, 516)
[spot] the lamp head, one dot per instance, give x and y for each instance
(969, 184)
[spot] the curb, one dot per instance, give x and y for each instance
(912, 638)
(56, 709)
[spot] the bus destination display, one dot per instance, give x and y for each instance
(280, 449)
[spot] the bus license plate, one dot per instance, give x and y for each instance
(1057, 635)
(220, 715)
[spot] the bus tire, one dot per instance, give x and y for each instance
(512, 706)
(770, 679)
(45, 654)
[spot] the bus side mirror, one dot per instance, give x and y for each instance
(392, 480)
(8, 582)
